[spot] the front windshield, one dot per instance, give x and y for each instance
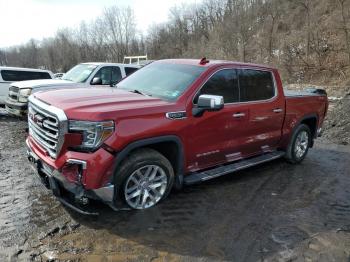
(79, 73)
(165, 81)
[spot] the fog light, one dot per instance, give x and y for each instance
(72, 172)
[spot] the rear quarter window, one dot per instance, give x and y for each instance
(255, 85)
(14, 75)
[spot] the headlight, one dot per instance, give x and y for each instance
(24, 94)
(94, 133)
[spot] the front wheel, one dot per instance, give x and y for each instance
(299, 144)
(145, 177)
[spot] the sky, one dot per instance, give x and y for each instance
(21, 20)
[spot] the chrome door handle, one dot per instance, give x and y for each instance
(277, 110)
(238, 115)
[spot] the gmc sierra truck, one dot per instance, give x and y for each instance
(170, 124)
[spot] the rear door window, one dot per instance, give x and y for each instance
(14, 75)
(130, 70)
(223, 83)
(44, 75)
(255, 85)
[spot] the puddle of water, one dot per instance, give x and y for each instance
(288, 236)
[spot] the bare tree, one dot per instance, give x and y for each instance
(3, 59)
(273, 10)
(120, 30)
(298, 36)
(306, 4)
(345, 27)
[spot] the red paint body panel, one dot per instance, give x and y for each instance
(99, 163)
(299, 107)
(215, 138)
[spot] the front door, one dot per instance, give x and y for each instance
(109, 75)
(215, 137)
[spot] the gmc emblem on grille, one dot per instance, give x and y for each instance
(37, 119)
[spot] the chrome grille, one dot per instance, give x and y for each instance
(13, 93)
(45, 126)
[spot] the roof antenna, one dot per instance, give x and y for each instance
(204, 61)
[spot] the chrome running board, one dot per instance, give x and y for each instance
(230, 168)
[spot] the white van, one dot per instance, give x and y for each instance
(15, 74)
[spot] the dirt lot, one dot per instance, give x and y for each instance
(274, 212)
(338, 121)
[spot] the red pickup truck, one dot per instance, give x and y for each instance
(172, 123)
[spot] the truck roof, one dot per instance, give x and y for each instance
(212, 63)
(110, 64)
(23, 69)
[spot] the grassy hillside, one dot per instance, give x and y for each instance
(308, 40)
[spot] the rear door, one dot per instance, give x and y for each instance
(263, 108)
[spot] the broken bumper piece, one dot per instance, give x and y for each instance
(72, 195)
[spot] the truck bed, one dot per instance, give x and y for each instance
(308, 92)
(303, 104)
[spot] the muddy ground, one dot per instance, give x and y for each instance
(273, 212)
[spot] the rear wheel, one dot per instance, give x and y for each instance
(299, 144)
(145, 178)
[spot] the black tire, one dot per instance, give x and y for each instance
(291, 155)
(138, 159)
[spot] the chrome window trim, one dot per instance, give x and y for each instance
(245, 68)
(61, 117)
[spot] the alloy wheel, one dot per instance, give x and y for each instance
(145, 187)
(301, 144)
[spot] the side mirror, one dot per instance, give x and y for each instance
(208, 103)
(96, 81)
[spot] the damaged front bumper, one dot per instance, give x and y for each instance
(71, 194)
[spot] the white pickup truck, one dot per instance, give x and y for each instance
(82, 75)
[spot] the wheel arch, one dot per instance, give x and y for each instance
(312, 122)
(162, 144)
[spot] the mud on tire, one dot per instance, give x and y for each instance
(294, 154)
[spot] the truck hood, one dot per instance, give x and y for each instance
(42, 83)
(99, 102)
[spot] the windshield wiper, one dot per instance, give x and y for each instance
(139, 92)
